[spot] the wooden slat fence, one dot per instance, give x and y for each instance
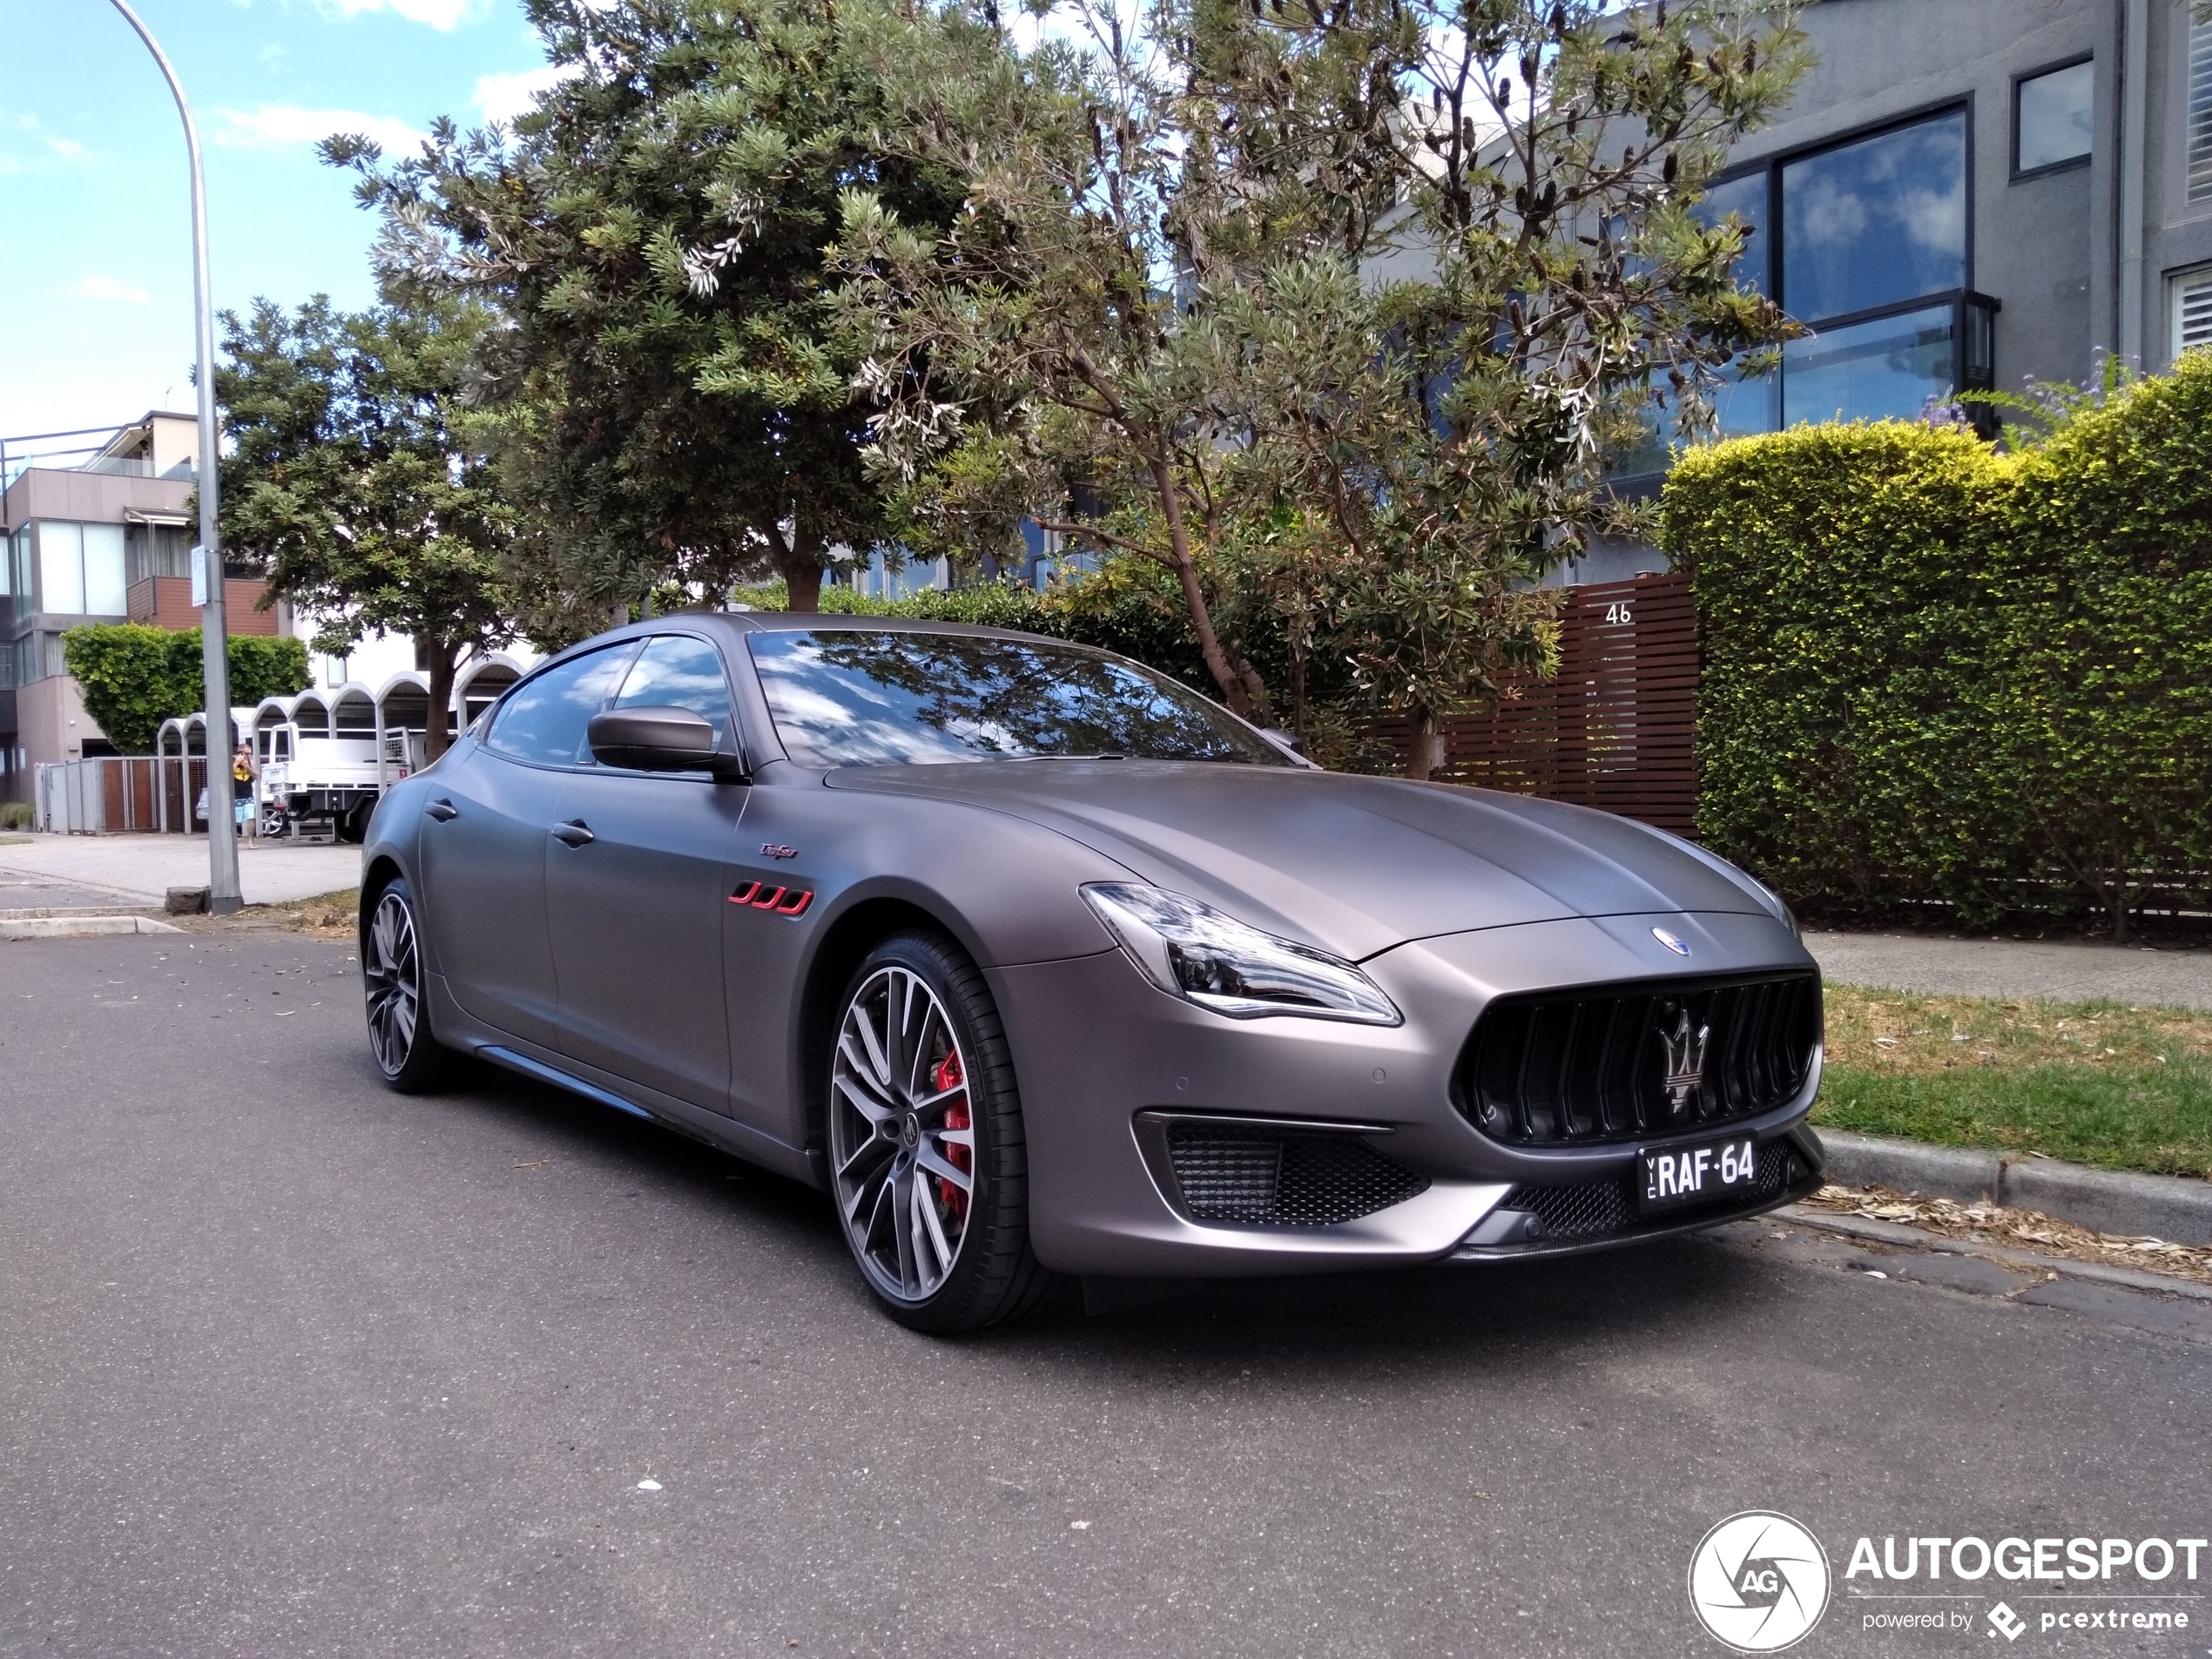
(1616, 729)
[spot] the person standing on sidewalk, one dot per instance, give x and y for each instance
(244, 772)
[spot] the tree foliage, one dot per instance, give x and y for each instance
(1338, 308)
(352, 481)
(667, 395)
(134, 678)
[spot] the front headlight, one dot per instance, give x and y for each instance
(1193, 951)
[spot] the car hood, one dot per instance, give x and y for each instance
(1353, 865)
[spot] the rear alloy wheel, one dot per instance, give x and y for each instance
(399, 1025)
(929, 1165)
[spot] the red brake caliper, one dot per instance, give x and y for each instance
(947, 1075)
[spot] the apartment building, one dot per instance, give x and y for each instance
(1968, 194)
(93, 529)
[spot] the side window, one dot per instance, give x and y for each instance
(676, 672)
(543, 718)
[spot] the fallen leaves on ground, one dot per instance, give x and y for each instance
(1991, 1223)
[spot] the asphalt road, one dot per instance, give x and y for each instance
(291, 1365)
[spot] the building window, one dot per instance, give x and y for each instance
(61, 568)
(156, 549)
(2200, 112)
(1865, 243)
(1876, 221)
(81, 570)
(2051, 126)
(2192, 311)
(1893, 363)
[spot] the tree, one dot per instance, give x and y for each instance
(668, 396)
(134, 678)
(1406, 271)
(1058, 344)
(350, 479)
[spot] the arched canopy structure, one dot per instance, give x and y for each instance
(353, 711)
(477, 686)
(404, 704)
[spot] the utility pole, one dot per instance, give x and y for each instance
(223, 895)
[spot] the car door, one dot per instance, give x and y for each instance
(634, 895)
(489, 823)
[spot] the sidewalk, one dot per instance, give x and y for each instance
(134, 872)
(2059, 971)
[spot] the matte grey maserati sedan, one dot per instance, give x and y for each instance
(1043, 965)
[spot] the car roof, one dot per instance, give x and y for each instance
(764, 622)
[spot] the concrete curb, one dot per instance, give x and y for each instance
(1904, 1237)
(79, 927)
(2173, 1207)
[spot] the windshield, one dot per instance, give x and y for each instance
(856, 698)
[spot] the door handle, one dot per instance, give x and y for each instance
(575, 833)
(441, 810)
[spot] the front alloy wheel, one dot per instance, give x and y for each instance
(927, 1160)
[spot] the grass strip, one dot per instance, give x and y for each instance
(2103, 1083)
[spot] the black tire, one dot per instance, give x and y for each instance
(408, 1055)
(924, 1078)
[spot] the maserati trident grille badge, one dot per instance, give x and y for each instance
(1685, 1058)
(1670, 941)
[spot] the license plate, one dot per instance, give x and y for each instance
(1682, 1175)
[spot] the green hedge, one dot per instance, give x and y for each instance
(1937, 674)
(134, 678)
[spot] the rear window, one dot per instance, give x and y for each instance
(860, 698)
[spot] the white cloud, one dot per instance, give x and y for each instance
(96, 286)
(444, 16)
(68, 150)
(273, 124)
(502, 98)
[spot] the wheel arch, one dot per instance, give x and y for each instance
(844, 944)
(380, 873)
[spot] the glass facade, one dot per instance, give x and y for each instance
(61, 567)
(1893, 364)
(1865, 244)
(82, 569)
(2051, 125)
(1877, 222)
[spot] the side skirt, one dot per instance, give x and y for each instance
(503, 1049)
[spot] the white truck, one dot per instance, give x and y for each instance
(316, 788)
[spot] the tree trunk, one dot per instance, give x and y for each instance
(1186, 571)
(799, 560)
(434, 735)
(1427, 759)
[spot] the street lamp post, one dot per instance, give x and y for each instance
(223, 895)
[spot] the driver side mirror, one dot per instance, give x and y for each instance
(656, 738)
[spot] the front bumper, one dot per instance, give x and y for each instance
(1107, 1064)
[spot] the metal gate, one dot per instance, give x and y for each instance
(104, 796)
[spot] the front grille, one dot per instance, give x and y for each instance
(1602, 1209)
(1266, 1177)
(1557, 1069)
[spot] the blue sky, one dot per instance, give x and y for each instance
(95, 229)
